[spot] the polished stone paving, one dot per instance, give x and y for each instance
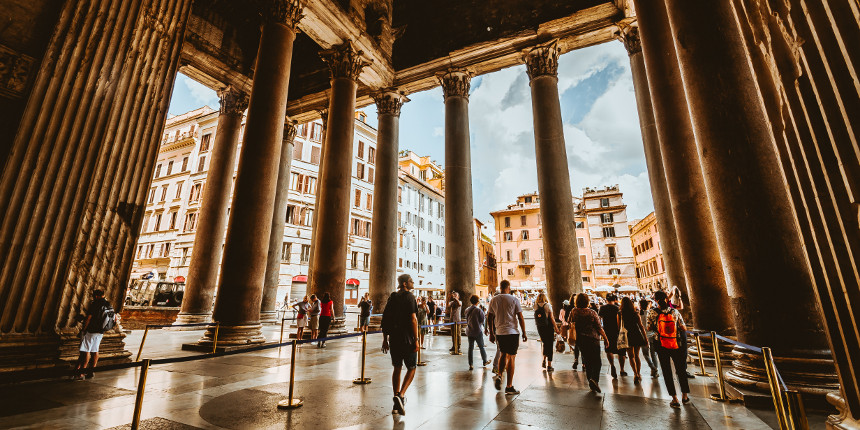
(241, 392)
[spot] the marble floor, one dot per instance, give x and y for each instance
(242, 391)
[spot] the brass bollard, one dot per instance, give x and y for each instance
(215, 340)
(701, 357)
(775, 389)
(142, 341)
(138, 401)
(362, 380)
(796, 411)
(419, 363)
(456, 351)
(282, 330)
(290, 402)
(721, 396)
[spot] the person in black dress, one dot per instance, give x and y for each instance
(635, 336)
(609, 315)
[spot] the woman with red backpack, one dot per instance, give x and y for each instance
(668, 327)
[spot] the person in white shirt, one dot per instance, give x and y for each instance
(502, 317)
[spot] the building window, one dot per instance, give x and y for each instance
(604, 202)
(614, 271)
(606, 218)
(357, 198)
(510, 272)
(369, 202)
(298, 148)
(173, 216)
(151, 195)
(586, 279)
(583, 262)
(169, 167)
(541, 254)
(315, 155)
(306, 253)
(158, 170)
(399, 262)
(179, 190)
(524, 234)
(184, 164)
(580, 224)
(196, 189)
(286, 249)
(581, 242)
(507, 222)
(528, 199)
(610, 250)
(184, 261)
(190, 221)
(353, 262)
(359, 170)
(366, 262)
(509, 236)
(360, 150)
(524, 256)
(205, 141)
(316, 132)
(522, 220)
(371, 177)
(163, 193)
(157, 226)
(399, 194)
(608, 231)
(508, 255)
(371, 155)
(201, 166)
(527, 271)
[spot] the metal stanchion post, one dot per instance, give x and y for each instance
(215, 340)
(420, 363)
(138, 401)
(282, 330)
(290, 402)
(362, 380)
(796, 411)
(701, 357)
(775, 390)
(456, 338)
(142, 341)
(721, 396)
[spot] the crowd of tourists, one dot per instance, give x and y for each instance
(632, 329)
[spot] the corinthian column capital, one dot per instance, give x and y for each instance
(290, 131)
(389, 101)
(542, 60)
(287, 12)
(233, 101)
(455, 83)
(344, 61)
(628, 34)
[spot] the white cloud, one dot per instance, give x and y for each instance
(200, 93)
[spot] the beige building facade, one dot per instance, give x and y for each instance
(648, 254)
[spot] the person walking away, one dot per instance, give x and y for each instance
(314, 316)
(585, 331)
(648, 349)
(475, 330)
(400, 336)
(100, 318)
(566, 310)
(455, 316)
(629, 317)
(422, 320)
(301, 317)
(365, 308)
(547, 329)
(668, 325)
(431, 310)
(502, 317)
(326, 315)
(609, 315)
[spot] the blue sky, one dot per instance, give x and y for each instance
(601, 128)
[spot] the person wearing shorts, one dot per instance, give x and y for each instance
(91, 336)
(314, 316)
(400, 336)
(502, 317)
(302, 316)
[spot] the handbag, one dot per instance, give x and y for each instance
(559, 344)
(622, 337)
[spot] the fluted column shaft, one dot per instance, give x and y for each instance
(383, 236)
(328, 267)
(653, 159)
(768, 279)
(459, 224)
(212, 217)
(691, 211)
(268, 313)
(561, 255)
(237, 306)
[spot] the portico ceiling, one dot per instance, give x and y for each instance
(408, 41)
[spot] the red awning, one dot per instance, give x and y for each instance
(352, 281)
(300, 278)
(179, 279)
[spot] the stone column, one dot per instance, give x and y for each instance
(657, 177)
(383, 239)
(328, 266)
(268, 314)
(768, 279)
(691, 212)
(459, 224)
(324, 117)
(237, 306)
(563, 274)
(212, 216)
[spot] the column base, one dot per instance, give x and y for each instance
(812, 373)
(269, 317)
(234, 335)
(188, 318)
(843, 421)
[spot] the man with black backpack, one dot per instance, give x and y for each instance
(100, 318)
(400, 335)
